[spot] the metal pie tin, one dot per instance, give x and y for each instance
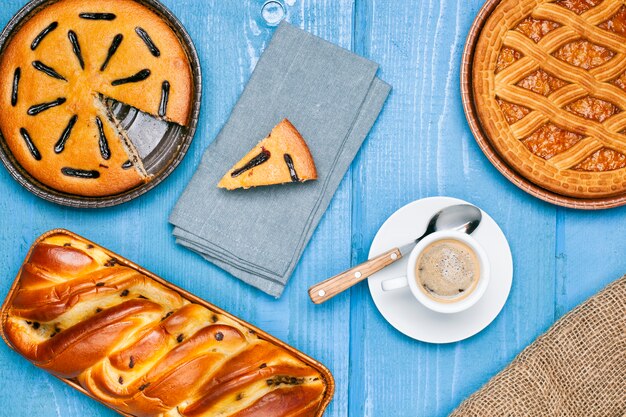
(166, 156)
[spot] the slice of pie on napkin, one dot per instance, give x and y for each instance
(282, 157)
(333, 97)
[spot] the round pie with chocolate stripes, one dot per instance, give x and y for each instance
(549, 80)
(57, 73)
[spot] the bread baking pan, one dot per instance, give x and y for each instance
(487, 147)
(326, 375)
(164, 156)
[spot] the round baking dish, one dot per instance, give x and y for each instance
(485, 144)
(165, 157)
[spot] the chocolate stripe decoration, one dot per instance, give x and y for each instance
(97, 16)
(165, 96)
(117, 40)
(127, 165)
(140, 76)
(148, 41)
(30, 144)
(60, 145)
(254, 162)
(76, 47)
(80, 173)
(104, 144)
(43, 34)
(16, 84)
(40, 66)
(39, 108)
(292, 168)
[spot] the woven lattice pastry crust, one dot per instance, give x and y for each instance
(549, 81)
(144, 349)
(55, 71)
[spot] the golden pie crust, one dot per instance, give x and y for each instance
(58, 56)
(549, 84)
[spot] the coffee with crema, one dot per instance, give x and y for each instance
(447, 270)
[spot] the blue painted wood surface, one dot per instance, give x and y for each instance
(420, 146)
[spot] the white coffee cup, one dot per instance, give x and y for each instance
(447, 306)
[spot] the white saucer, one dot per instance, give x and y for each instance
(408, 316)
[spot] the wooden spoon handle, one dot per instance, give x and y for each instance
(326, 290)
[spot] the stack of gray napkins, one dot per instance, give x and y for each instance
(333, 98)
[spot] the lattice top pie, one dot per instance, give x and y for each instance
(549, 81)
(55, 72)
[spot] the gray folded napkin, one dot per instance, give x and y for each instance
(333, 98)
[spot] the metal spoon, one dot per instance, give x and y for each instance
(461, 217)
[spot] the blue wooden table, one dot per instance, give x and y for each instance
(421, 146)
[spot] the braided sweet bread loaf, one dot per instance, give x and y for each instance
(141, 348)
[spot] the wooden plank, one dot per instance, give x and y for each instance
(421, 147)
(230, 37)
(589, 254)
(320, 331)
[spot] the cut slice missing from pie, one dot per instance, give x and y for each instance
(282, 157)
(59, 70)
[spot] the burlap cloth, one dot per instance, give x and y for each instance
(578, 368)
